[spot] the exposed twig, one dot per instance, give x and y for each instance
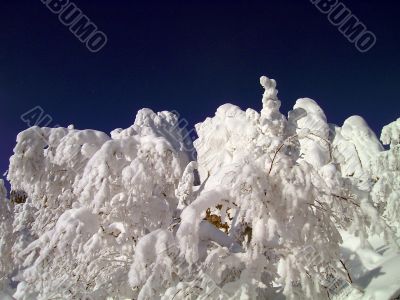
(326, 141)
(347, 271)
(345, 198)
(277, 151)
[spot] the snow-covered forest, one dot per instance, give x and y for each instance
(274, 206)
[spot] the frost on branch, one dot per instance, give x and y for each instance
(128, 216)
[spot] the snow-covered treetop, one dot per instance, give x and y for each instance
(391, 134)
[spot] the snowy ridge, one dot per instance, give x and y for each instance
(268, 209)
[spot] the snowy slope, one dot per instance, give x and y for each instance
(375, 271)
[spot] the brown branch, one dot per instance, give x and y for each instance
(345, 198)
(347, 271)
(277, 151)
(326, 141)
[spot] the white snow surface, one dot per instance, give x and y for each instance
(273, 207)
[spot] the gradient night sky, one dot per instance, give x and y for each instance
(192, 56)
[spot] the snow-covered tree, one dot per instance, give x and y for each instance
(129, 216)
(273, 188)
(385, 169)
(93, 198)
(369, 166)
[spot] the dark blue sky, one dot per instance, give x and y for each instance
(192, 56)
